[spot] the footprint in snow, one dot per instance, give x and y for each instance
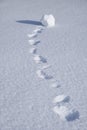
(40, 74)
(72, 115)
(33, 50)
(45, 67)
(33, 42)
(66, 114)
(61, 99)
(55, 84)
(32, 35)
(38, 30)
(61, 111)
(38, 59)
(43, 75)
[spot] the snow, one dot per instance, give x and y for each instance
(43, 75)
(31, 41)
(61, 98)
(40, 74)
(46, 66)
(33, 50)
(39, 59)
(61, 111)
(55, 84)
(26, 98)
(32, 35)
(66, 114)
(48, 20)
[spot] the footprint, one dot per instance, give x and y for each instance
(33, 50)
(37, 42)
(40, 74)
(48, 77)
(39, 59)
(32, 35)
(43, 59)
(38, 30)
(61, 99)
(55, 84)
(45, 67)
(33, 42)
(72, 115)
(62, 111)
(43, 75)
(66, 113)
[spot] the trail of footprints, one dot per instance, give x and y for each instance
(61, 104)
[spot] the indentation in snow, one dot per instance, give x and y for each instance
(62, 111)
(38, 59)
(61, 98)
(33, 50)
(55, 84)
(32, 35)
(46, 67)
(72, 115)
(38, 30)
(33, 42)
(43, 75)
(40, 74)
(65, 113)
(37, 42)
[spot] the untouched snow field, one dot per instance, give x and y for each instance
(43, 71)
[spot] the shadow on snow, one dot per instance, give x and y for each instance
(30, 22)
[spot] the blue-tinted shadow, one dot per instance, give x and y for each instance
(73, 116)
(30, 22)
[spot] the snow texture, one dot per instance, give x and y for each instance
(26, 101)
(48, 20)
(32, 35)
(62, 111)
(33, 42)
(33, 50)
(55, 84)
(61, 98)
(65, 114)
(38, 59)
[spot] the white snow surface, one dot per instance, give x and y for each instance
(65, 113)
(60, 98)
(26, 100)
(62, 111)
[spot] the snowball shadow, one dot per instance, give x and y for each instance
(32, 22)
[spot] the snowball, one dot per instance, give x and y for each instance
(48, 20)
